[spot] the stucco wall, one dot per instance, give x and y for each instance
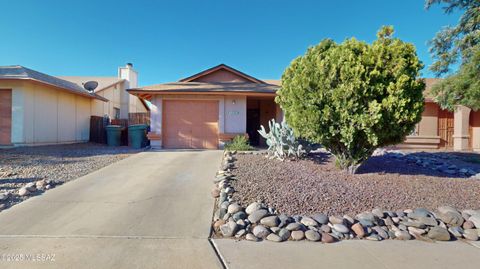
(100, 108)
(45, 115)
(235, 114)
(428, 126)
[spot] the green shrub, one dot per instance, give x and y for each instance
(281, 141)
(354, 97)
(240, 143)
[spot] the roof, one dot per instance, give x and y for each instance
(23, 73)
(429, 82)
(103, 82)
(220, 67)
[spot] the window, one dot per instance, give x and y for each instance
(117, 112)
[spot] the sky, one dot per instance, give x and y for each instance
(169, 40)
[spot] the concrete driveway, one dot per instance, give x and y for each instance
(152, 210)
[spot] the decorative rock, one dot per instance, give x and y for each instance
(253, 207)
(374, 237)
(274, 229)
(378, 212)
(284, 220)
(217, 224)
(312, 235)
(307, 221)
(327, 238)
(445, 209)
(366, 216)
(31, 187)
(456, 231)
(416, 231)
(240, 215)
(297, 235)
(215, 192)
(468, 225)
(428, 221)
(335, 220)
(471, 234)
(402, 235)
(3, 196)
(475, 219)
(320, 218)
(23, 192)
(234, 208)
(348, 220)
(260, 231)
(251, 237)
(451, 217)
(40, 184)
(388, 221)
(358, 229)
(380, 232)
(438, 233)
(271, 221)
(284, 234)
(366, 223)
(294, 226)
(340, 228)
(240, 233)
(419, 212)
(326, 228)
(257, 215)
(274, 238)
(229, 229)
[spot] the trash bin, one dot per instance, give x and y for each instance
(137, 135)
(114, 134)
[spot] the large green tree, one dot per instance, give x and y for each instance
(453, 46)
(455, 43)
(354, 97)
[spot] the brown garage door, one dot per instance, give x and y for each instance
(190, 124)
(5, 116)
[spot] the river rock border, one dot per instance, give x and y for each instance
(9, 197)
(259, 222)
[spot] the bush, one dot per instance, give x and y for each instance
(354, 97)
(240, 143)
(281, 141)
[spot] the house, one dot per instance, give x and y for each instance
(211, 107)
(36, 108)
(443, 129)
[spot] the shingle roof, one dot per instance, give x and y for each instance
(23, 73)
(200, 87)
(103, 82)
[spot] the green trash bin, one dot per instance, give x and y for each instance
(114, 134)
(137, 135)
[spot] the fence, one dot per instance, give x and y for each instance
(97, 129)
(139, 118)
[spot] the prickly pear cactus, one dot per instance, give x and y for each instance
(281, 141)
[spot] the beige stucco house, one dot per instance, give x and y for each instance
(37, 109)
(209, 108)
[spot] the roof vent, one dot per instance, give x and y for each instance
(90, 85)
(129, 65)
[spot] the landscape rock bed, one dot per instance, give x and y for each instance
(29, 171)
(258, 220)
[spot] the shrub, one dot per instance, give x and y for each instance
(239, 142)
(354, 97)
(281, 141)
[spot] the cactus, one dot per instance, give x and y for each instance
(281, 141)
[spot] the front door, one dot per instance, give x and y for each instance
(445, 128)
(253, 125)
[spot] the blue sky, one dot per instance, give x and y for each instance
(168, 40)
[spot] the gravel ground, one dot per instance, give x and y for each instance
(315, 185)
(58, 163)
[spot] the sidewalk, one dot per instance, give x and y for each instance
(349, 254)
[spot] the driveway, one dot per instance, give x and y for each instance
(151, 210)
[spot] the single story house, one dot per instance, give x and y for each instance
(209, 108)
(36, 108)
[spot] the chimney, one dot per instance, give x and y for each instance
(131, 81)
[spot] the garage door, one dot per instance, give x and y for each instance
(190, 124)
(5, 116)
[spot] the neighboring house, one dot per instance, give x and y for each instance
(120, 102)
(211, 107)
(443, 129)
(36, 108)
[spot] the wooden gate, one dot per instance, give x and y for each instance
(445, 128)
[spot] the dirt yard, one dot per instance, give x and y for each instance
(315, 185)
(57, 163)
